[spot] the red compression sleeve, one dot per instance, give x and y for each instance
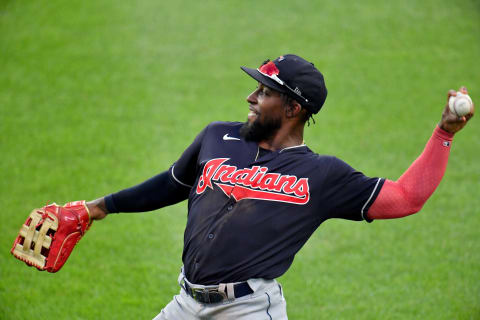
(409, 193)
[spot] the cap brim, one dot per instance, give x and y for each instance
(255, 74)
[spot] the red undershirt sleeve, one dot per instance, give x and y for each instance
(409, 193)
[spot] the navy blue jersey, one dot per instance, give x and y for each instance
(249, 212)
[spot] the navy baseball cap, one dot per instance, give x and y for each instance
(294, 76)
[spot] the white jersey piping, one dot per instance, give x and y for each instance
(300, 145)
(183, 184)
(370, 198)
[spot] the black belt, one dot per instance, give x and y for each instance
(212, 295)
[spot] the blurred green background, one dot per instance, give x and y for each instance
(96, 96)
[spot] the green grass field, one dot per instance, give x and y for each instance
(96, 96)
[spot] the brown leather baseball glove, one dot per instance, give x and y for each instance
(49, 234)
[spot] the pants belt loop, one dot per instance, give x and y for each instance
(222, 287)
(230, 291)
(181, 279)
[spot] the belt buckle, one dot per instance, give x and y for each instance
(208, 295)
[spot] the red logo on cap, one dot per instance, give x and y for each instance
(269, 69)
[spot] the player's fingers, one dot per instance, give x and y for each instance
(463, 90)
(470, 115)
(451, 93)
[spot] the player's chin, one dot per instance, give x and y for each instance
(251, 117)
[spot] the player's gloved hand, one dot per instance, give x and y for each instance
(49, 235)
(450, 122)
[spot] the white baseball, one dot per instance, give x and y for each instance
(461, 104)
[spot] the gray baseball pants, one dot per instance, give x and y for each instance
(265, 303)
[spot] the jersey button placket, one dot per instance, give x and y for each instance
(232, 198)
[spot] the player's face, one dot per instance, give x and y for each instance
(266, 114)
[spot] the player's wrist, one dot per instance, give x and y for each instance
(97, 209)
(443, 132)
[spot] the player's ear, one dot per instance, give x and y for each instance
(293, 109)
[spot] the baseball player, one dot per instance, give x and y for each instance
(256, 193)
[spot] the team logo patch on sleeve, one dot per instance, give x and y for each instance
(253, 183)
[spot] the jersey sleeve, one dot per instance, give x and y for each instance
(183, 171)
(349, 192)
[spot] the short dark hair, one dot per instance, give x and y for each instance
(288, 101)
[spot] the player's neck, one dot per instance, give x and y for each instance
(285, 137)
